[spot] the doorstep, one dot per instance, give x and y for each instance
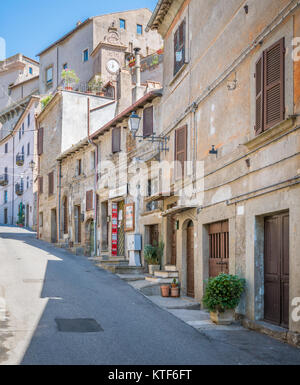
(274, 331)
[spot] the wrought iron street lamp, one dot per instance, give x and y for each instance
(134, 124)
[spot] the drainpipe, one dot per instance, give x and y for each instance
(13, 185)
(95, 176)
(59, 200)
(138, 66)
(38, 190)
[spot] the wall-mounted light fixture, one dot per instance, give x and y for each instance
(231, 84)
(213, 151)
(134, 124)
(246, 8)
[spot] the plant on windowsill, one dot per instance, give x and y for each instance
(69, 77)
(150, 255)
(222, 296)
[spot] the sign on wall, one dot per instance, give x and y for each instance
(114, 230)
(129, 217)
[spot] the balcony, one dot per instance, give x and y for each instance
(20, 159)
(3, 180)
(19, 189)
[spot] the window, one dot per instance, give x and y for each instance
(93, 160)
(20, 133)
(30, 70)
(23, 151)
(28, 121)
(85, 55)
(179, 47)
(27, 182)
(79, 167)
(49, 75)
(23, 128)
(51, 183)
(6, 148)
(28, 148)
(5, 196)
(41, 219)
(139, 29)
(116, 139)
(122, 24)
(89, 200)
(269, 77)
(180, 151)
(6, 173)
(148, 121)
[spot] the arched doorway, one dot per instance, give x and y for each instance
(190, 260)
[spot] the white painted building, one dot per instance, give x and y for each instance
(18, 169)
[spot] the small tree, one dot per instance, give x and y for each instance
(69, 77)
(150, 255)
(223, 292)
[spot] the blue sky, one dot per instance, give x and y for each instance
(29, 26)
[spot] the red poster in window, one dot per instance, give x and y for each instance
(114, 228)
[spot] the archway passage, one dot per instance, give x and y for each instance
(190, 260)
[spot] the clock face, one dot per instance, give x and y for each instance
(113, 66)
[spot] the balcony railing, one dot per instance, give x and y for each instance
(3, 180)
(19, 189)
(20, 159)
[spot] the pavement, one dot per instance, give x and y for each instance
(58, 308)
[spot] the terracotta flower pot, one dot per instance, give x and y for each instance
(175, 291)
(69, 88)
(165, 291)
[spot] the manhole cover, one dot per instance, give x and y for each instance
(79, 325)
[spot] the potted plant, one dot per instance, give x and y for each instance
(95, 86)
(69, 77)
(175, 290)
(222, 295)
(165, 290)
(150, 255)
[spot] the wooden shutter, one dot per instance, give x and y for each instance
(89, 200)
(66, 230)
(40, 184)
(116, 139)
(259, 96)
(180, 150)
(51, 183)
(40, 140)
(148, 121)
(179, 46)
(274, 84)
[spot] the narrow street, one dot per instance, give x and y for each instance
(41, 284)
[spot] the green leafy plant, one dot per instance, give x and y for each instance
(160, 251)
(69, 77)
(174, 283)
(21, 215)
(95, 85)
(223, 292)
(46, 100)
(150, 255)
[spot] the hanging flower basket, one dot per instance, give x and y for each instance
(132, 63)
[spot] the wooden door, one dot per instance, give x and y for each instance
(154, 235)
(27, 215)
(77, 224)
(218, 248)
(173, 242)
(276, 269)
(190, 260)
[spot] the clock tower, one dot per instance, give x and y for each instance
(109, 56)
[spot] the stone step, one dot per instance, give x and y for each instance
(153, 279)
(170, 268)
(166, 274)
(122, 269)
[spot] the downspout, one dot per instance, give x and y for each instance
(59, 199)
(95, 176)
(13, 184)
(38, 189)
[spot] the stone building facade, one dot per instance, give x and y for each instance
(235, 83)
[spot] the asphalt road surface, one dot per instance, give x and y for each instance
(57, 308)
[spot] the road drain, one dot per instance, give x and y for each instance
(79, 325)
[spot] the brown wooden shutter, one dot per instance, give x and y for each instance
(40, 140)
(89, 200)
(274, 84)
(116, 139)
(40, 184)
(66, 230)
(148, 121)
(181, 150)
(51, 183)
(259, 96)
